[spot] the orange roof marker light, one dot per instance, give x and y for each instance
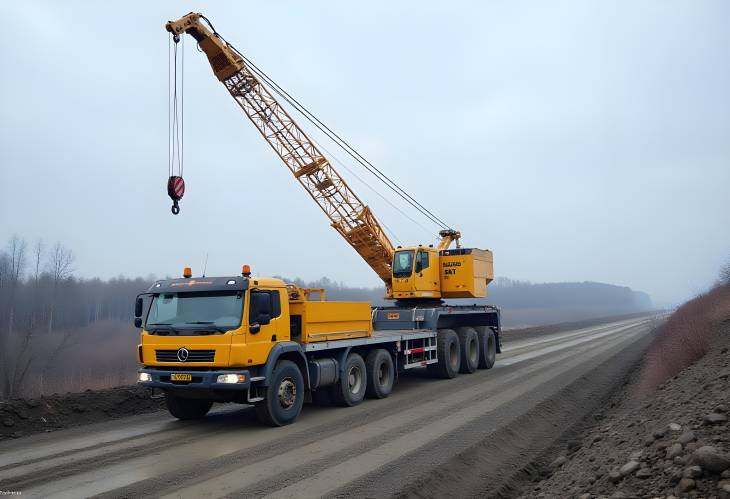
(246, 271)
(187, 272)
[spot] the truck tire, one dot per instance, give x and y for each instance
(284, 396)
(350, 390)
(487, 347)
(380, 374)
(449, 354)
(185, 408)
(469, 342)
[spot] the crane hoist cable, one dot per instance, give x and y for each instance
(344, 145)
(373, 189)
(175, 124)
(339, 141)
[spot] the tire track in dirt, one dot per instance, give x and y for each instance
(174, 457)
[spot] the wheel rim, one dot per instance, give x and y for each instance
(473, 352)
(453, 354)
(383, 374)
(354, 379)
(287, 393)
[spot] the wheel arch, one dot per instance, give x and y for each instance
(286, 350)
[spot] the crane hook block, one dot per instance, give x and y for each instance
(176, 190)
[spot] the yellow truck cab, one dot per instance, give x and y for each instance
(261, 341)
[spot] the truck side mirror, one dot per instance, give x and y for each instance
(137, 322)
(419, 267)
(260, 314)
(138, 307)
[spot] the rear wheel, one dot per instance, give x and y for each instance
(284, 395)
(469, 342)
(449, 354)
(350, 390)
(185, 408)
(487, 346)
(380, 373)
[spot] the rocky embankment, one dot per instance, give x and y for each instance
(671, 442)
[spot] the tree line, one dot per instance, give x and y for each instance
(52, 320)
(42, 303)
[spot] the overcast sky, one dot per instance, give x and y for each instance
(577, 140)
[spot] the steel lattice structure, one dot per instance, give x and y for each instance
(347, 213)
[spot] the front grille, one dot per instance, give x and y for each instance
(193, 356)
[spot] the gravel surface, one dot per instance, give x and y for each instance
(476, 432)
(22, 417)
(674, 442)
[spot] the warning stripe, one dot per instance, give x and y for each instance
(179, 187)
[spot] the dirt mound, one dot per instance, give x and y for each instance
(20, 417)
(672, 442)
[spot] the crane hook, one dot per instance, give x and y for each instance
(176, 190)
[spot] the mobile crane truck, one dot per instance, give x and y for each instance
(258, 340)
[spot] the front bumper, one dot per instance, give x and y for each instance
(202, 380)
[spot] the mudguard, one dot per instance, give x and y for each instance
(285, 347)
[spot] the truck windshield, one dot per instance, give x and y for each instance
(403, 263)
(216, 311)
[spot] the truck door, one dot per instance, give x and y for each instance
(426, 274)
(266, 325)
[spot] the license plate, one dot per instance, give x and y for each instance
(181, 377)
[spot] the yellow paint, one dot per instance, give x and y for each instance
(466, 276)
(352, 219)
(333, 320)
(321, 321)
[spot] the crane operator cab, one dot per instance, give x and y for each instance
(429, 273)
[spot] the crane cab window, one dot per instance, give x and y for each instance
(421, 261)
(403, 263)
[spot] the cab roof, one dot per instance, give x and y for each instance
(198, 284)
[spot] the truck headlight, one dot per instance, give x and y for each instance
(231, 378)
(144, 377)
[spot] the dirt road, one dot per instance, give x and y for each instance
(472, 434)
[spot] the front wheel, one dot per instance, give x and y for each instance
(185, 408)
(284, 395)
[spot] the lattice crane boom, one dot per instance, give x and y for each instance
(347, 213)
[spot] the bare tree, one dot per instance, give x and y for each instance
(16, 250)
(38, 254)
(16, 253)
(4, 269)
(725, 273)
(59, 264)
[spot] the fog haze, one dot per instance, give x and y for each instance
(577, 140)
